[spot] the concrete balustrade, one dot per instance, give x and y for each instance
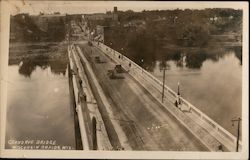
(114, 131)
(136, 70)
(82, 124)
(97, 137)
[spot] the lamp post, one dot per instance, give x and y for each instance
(122, 53)
(141, 65)
(179, 93)
(238, 132)
(110, 47)
(165, 67)
(163, 85)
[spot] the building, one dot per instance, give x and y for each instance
(135, 23)
(109, 16)
(100, 33)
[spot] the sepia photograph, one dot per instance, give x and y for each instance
(125, 76)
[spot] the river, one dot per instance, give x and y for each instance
(39, 111)
(213, 84)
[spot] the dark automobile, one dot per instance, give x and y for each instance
(118, 68)
(97, 59)
(89, 43)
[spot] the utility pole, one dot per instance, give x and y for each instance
(141, 65)
(178, 90)
(163, 86)
(164, 68)
(238, 132)
(179, 93)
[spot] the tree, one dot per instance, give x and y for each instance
(195, 35)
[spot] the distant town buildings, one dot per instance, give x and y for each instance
(109, 16)
(97, 23)
(135, 23)
(100, 33)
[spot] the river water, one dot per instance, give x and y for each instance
(39, 113)
(214, 85)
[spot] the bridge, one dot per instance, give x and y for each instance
(119, 107)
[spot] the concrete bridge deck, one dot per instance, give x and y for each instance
(146, 123)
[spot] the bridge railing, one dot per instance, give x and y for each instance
(118, 57)
(80, 109)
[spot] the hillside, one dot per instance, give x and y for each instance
(24, 27)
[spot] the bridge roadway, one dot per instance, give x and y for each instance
(146, 123)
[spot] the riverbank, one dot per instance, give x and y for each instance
(19, 51)
(43, 54)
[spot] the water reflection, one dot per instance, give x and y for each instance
(164, 65)
(38, 100)
(211, 82)
(210, 78)
(38, 106)
(184, 58)
(27, 66)
(195, 60)
(238, 53)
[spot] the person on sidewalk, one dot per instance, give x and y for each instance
(176, 103)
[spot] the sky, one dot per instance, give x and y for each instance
(78, 7)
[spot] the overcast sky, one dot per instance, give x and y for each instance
(72, 7)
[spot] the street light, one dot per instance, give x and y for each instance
(238, 132)
(179, 93)
(122, 53)
(165, 67)
(141, 65)
(163, 85)
(110, 47)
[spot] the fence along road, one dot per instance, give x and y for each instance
(203, 127)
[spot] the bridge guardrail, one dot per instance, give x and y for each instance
(158, 84)
(79, 110)
(118, 138)
(88, 110)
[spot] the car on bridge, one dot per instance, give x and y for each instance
(119, 68)
(97, 59)
(113, 74)
(90, 44)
